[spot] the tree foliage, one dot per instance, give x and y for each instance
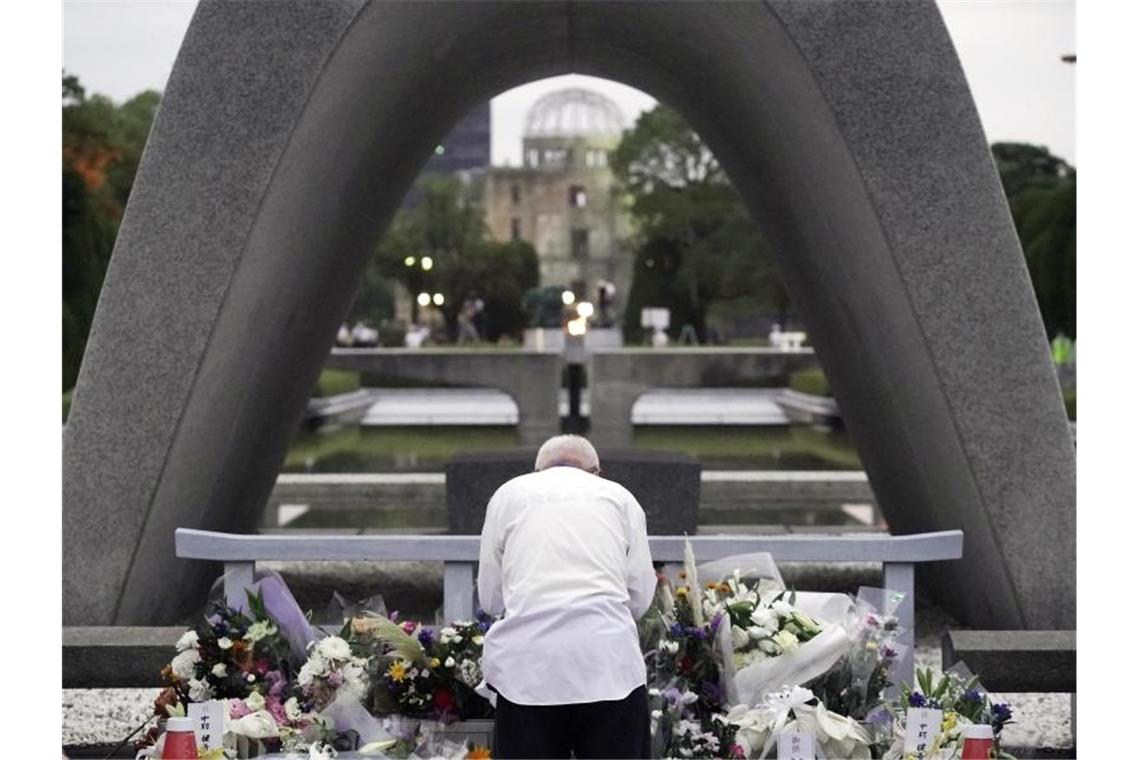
(695, 242)
(447, 227)
(1042, 193)
(102, 145)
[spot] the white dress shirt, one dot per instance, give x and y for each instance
(565, 555)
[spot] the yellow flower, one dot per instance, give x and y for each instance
(950, 720)
(397, 670)
(683, 591)
(435, 662)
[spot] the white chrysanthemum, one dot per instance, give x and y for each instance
(259, 631)
(786, 640)
(188, 640)
(765, 619)
(200, 691)
(219, 670)
(183, 664)
(225, 642)
(477, 640)
(292, 709)
(255, 701)
(355, 682)
(469, 673)
(315, 666)
(334, 648)
(449, 662)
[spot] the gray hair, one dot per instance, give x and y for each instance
(567, 450)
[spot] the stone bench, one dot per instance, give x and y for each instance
(116, 657)
(1017, 661)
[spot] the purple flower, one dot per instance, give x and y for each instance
(917, 699)
(676, 630)
(714, 624)
(972, 695)
(1001, 713)
(426, 638)
(888, 653)
(712, 691)
(699, 633)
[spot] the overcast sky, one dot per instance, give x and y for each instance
(1010, 50)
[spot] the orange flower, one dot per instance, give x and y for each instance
(479, 753)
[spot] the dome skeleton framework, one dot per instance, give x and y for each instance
(574, 112)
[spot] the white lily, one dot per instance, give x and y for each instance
(256, 725)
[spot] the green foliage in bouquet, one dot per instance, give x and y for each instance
(425, 673)
(240, 657)
(856, 684)
(962, 701)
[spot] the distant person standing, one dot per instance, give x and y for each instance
(565, 555)
(466, 322)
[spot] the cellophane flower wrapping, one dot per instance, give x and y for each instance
(855, 684)
(765, 659)
(274, 672)
(963, 701)
(426, 672)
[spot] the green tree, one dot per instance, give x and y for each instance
(102, 144)
(447, 228)
(1042, 193)
(695, 242)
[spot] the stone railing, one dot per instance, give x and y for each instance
(460, 554)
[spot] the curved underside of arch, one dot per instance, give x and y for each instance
(289, 132)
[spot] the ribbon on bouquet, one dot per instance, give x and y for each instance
(779, 705)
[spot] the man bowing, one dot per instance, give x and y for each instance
(564, 557)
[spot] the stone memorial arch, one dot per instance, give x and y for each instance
(289, 132)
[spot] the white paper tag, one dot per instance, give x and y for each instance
(922, 725)
(796, 745)
(209, 722)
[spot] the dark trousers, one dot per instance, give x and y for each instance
(618, 728)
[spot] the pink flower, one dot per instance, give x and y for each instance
(335, 679)
(276, 709)
(409, 627)
(736, 752)
(276, 683)
(238, 709)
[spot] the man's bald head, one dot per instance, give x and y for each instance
(568, 451)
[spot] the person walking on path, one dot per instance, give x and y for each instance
(564, 556)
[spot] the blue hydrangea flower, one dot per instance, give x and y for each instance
(1002, 713)
(972, 695)
(917, 699)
